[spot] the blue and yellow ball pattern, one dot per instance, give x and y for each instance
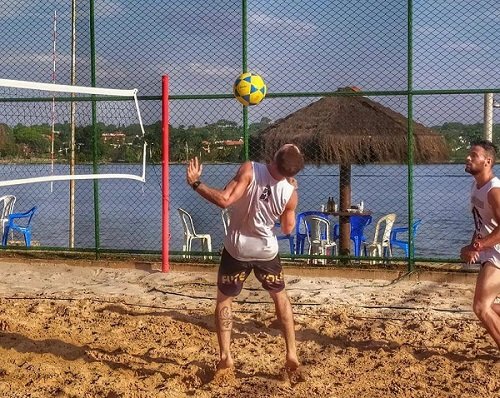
(249, 88)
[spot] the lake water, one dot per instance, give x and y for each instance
(440, 192)
(130, 211)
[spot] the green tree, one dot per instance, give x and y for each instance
(7, 142)
(34, 140)
(459, 136)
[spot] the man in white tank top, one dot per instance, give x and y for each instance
(485, 245)
(256, 197)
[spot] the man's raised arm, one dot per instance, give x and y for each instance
(220, 197)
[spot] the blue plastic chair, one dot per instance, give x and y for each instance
(300, 234)
(23, 226)
(289, 237)
(358, 224)
(403, 244)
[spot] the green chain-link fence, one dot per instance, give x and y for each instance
(431, 62)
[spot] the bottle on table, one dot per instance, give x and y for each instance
(331, 206)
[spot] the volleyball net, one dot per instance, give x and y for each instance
(53, 122)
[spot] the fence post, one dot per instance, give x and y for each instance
(488, 116)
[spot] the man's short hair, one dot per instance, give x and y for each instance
(289, 160)
(488, 146)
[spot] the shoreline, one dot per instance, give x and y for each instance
(447, 273)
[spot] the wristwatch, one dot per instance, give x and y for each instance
(195, 184)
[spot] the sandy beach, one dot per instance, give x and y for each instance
(73, 331)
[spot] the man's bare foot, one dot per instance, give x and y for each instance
(294, 374)
(225, 363)
(292, 371)
(292, 363)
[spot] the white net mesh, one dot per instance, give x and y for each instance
(106, 125)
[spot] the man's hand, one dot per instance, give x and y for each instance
(477, 244)
(193, 171)
(469, 254)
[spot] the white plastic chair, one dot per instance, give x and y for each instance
(225, 220)
(7, 209)
(190, 234)
(381, 244)
(318, 235)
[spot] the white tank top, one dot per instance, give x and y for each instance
(250, 232)
(484, 221)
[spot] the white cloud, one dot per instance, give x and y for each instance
(465, 46)
(211, 70)
(15, 9)
(103, 8)
(107, 8)
(429, 30)
(281, 24)
(495, 15)
(11, 58)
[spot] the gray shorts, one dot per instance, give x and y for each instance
(490, 255)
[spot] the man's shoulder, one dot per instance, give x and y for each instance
(494, 190)
(245, 170)
(495, 183)
(247, 166)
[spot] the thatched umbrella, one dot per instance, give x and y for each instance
(349, 130)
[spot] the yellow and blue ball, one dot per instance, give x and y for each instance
(249, 89)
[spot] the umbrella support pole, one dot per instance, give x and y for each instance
(345, 203)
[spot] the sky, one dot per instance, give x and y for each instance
(297, 46)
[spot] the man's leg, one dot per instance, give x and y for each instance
(285, 316)
(224, 324)
(230, 278)
(270, 274)
(487, 289)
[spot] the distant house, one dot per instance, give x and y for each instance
(221, 144)
(115, 139)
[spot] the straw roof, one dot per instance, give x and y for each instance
(352, 130)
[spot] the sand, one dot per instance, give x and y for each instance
(69, 331)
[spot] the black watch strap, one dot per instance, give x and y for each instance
(196, 184)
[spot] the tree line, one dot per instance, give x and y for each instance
(34, 142)
(458, 137)
(215, 142)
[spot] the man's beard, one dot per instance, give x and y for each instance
(471, 171)
(468, 169)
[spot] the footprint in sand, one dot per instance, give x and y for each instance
(224, 377)
(293, 376)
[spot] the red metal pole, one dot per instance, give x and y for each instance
(165, 231)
